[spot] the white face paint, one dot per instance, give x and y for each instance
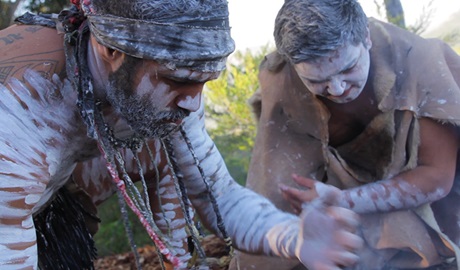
(189, 102)
(153, 98)
(340, 77)
(161, 94)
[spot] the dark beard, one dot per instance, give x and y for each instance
(142, 116)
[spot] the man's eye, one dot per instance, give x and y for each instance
(174, 81)
(181, 83)
(316, 82)
(348, 70)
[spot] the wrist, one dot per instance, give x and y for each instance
(344, 200)
(332, 195)
(283, 238)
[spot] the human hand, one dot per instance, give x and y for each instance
(327, 239)
(296, 197)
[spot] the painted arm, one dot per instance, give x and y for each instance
(430, 181)
(252, 222)
(36, 160)
(38, 114)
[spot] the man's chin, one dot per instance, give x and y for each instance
(159, 132)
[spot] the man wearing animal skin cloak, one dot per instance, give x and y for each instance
(372, 110)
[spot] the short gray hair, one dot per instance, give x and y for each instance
(306, 30)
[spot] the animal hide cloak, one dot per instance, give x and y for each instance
(412, 78)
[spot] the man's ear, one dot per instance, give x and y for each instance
(368, 39)
(112, 58)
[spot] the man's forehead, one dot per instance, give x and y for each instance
(185, 73)
(335, 62)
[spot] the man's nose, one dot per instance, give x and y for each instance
(190, 97)
(336, 87)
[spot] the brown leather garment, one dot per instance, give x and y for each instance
(412, 77)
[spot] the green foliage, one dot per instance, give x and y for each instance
(47, 6)
(7, 9)
(452, 38)
(230, 121)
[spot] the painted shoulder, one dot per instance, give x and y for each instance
(32, 47)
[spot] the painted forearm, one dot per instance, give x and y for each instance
(265, 230)
(283, 237)
(386, 196)
(251, 221)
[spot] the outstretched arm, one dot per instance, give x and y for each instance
(430, 181)
(252, 222)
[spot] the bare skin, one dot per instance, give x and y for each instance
(35, 47)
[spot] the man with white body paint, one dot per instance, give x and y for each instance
(372, 111)
(118, 96)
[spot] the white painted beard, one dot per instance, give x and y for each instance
(146, 120)
(140, 116)
(145, 117)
